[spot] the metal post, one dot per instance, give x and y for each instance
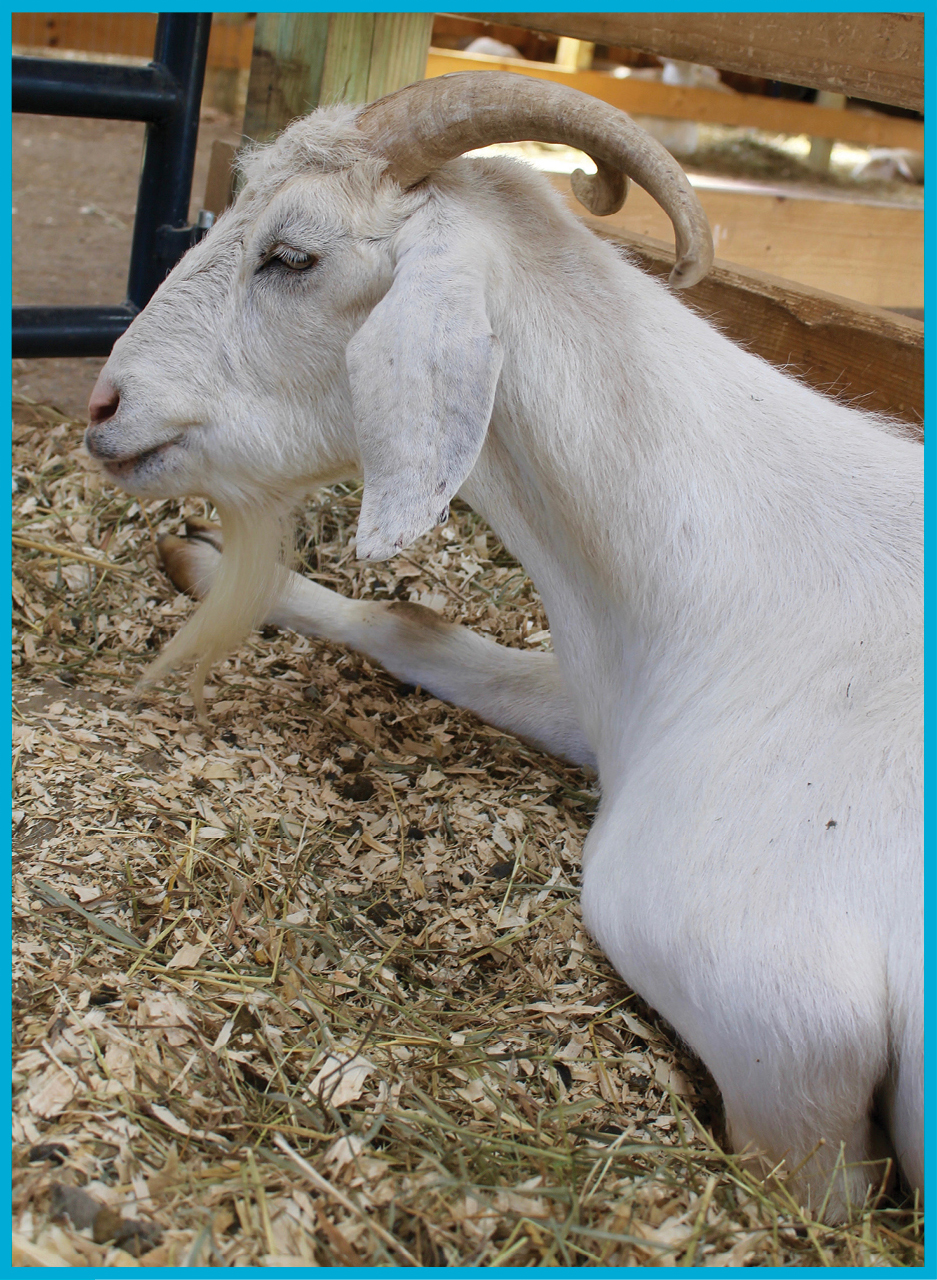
(160, 230)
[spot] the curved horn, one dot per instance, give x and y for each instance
(420, 127)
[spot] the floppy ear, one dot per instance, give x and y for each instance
(423, 370)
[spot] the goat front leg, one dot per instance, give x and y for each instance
(522, 693)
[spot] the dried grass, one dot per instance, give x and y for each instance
(311, 987)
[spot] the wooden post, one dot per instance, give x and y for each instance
(822, 148)
(574, 55)
(371, 54)
(302, 60)
(286, 71)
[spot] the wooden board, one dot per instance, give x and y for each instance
(879, 56)
(870, 253)
(130, 34)
(860, 354)
(649, 97)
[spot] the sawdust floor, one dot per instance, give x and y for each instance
(310, 986)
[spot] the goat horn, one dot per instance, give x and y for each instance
(423, 125)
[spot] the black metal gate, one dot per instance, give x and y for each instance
(167, 95)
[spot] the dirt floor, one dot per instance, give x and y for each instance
(309, 986)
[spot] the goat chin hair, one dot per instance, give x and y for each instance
(251, 577)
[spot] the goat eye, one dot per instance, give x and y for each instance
(291, 259)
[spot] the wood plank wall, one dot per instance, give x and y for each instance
(130, 35)
(872, 253)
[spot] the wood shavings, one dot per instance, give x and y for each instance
(360, 883)
(339, 1082)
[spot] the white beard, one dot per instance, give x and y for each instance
(250, 579)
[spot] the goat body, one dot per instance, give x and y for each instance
(731, 565)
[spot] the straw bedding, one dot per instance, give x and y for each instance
(310, 986)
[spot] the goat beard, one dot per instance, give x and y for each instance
(250, 579)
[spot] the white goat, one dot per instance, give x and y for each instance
(730, 562)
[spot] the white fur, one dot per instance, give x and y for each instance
(731, 564)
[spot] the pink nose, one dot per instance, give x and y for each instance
(104, 400)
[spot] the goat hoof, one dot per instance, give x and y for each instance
(204, 531)
(189, 562)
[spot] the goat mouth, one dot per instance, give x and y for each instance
(123, 468)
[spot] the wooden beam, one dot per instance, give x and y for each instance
(651, 98)
(869, 252)
(859, 354)
(302, 60)
(879, 56)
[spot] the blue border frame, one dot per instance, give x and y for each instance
(576, 6)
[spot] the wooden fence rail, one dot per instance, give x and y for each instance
(879, 56)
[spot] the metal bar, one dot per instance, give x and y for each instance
(68, 331)
(169, 156)
(49, 87)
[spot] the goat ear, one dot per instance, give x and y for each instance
(423, 369)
